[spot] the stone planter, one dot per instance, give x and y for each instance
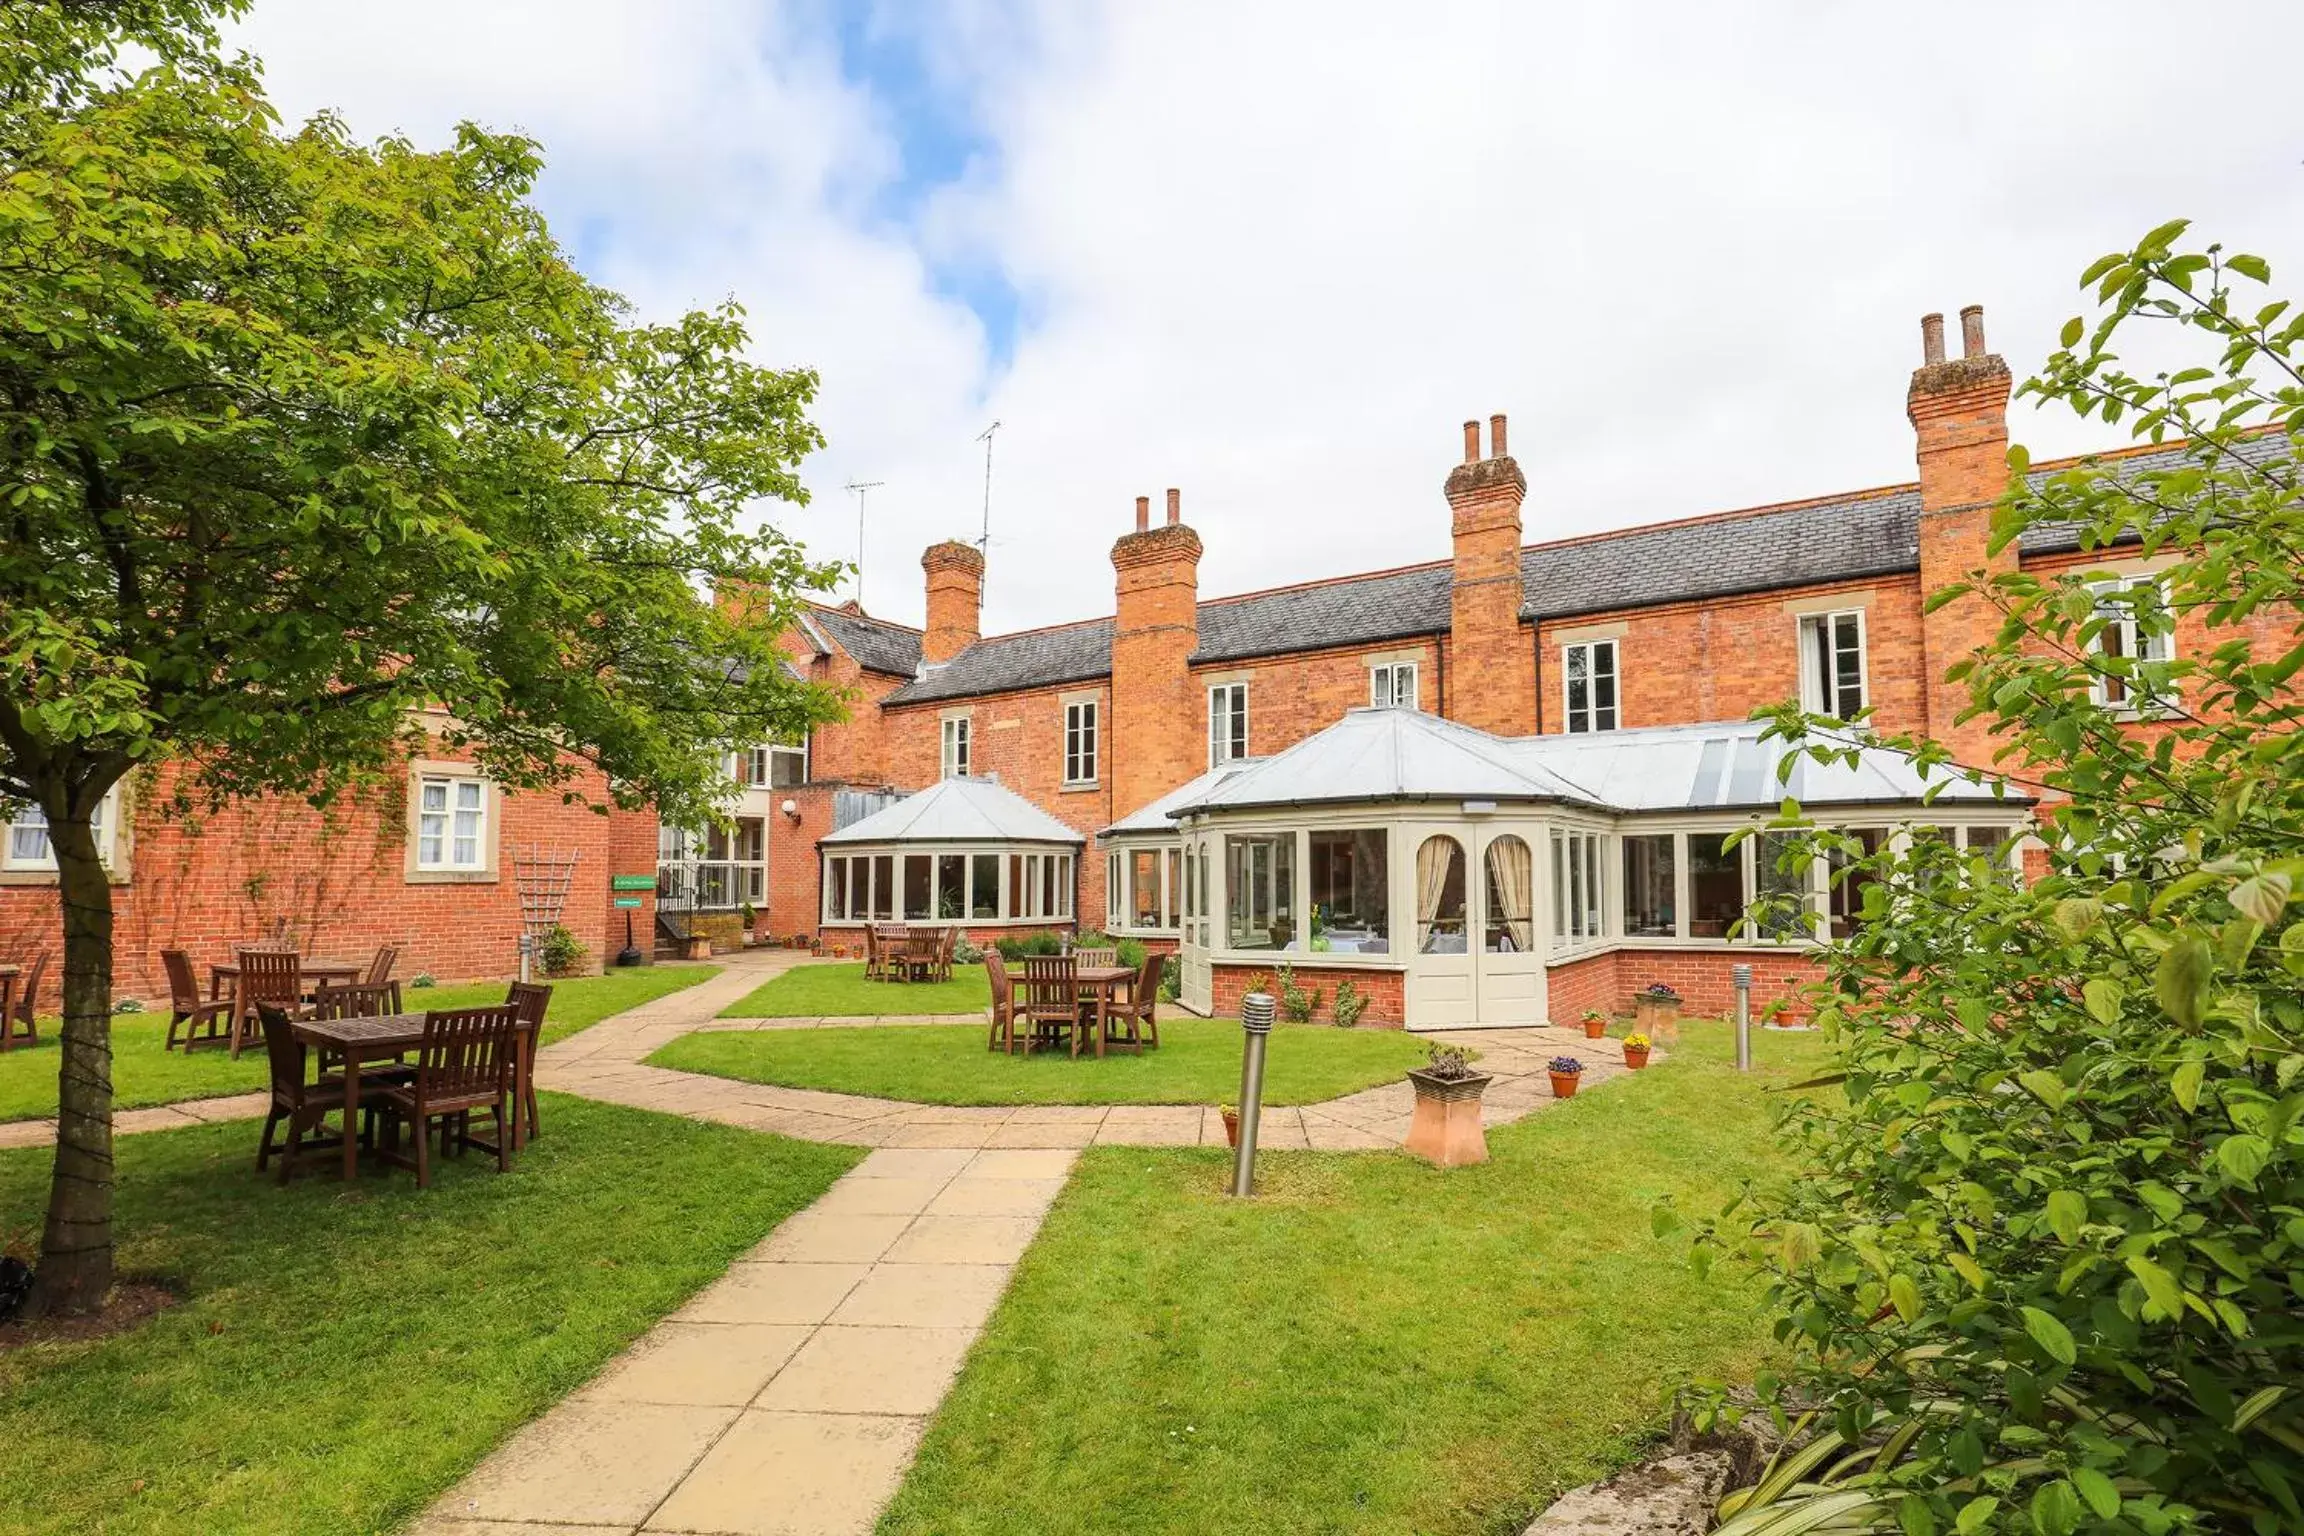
(699, 948)
(1564, 1084)
(1446, 1129)
(1657, 1017)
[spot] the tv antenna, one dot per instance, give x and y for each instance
(984, 539)
(860, 487)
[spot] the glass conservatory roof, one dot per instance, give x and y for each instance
(1376, 755)
(958, 811)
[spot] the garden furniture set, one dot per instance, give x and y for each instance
(894, 953)
(1081, 1000)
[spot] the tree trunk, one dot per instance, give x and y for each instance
(74, 1271)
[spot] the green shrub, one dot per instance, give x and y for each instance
(1351, 1002)
(1171, 979)
(561, 951)
(1017, 946)
(1298, 1003)
(2046, 1266)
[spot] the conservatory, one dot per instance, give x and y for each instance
(1455, 878)
(965, 851)
(1144, 863)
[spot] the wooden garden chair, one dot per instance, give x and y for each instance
(356, 1000)
(463, 1065)
(1138, 1008)
(18, 1025)
(305, 1106)
(946, 948)
(531, 1000)
(872, 968)
(1003, 1003)
(203, 1020)
(1050, 1005)
(273, 976)
(380, 968)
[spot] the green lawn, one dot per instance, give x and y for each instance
(840, 991)
(1373, 1346)
(143, 1073)
(344, 1357)
(1198, 1062)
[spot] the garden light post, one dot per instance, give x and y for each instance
(1743, 1018)
(1256, 1010)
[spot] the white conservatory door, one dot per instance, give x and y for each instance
(1443, 990)
(1196, 989)
(1510, 945)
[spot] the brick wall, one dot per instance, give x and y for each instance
(1690, 663)
(1298, 695)
(1158, 714)
(1387, 1003)
(1704, 978)
(207, 884)
(1486, 637)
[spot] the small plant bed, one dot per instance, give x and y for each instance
(144, 1074)
(1371, 1345)
(1197, 1062)
(341, 1356)
(842, 992)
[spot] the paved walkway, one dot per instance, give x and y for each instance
(605, 1062)
(790, 1396)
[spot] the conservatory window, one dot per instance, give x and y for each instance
(1351, 892)
(1144, 888)
(1174, 901)
(1511, 926)
(1260, 891)
(1848, 878)
(1715, 885)
(984, 886)
(1578, 890)
(1651, 895)
(1779, 874)
(1440, 928)
(951, 887)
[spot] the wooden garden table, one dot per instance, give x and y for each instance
(382, 1039)
(1103, 978)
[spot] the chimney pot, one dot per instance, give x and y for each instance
(1472, 442)
(1143, 513)
(1931, 339)
(1175, 506)
(1496, 436)
(1972, 331)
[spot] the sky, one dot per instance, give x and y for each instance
(1273, 254)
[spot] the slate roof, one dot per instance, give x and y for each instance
(2063, 538)
(1354, 610)
(958, 811)
(1840, 539)
(878, 646)
(1036, 658)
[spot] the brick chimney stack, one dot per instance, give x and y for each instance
(1155, 741)
(955, 599)
(1959, 415)
(1485, 640)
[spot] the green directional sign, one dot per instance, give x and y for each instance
(627, 901)
(631, 882)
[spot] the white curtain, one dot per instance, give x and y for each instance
(1512, 886)
(1434, 860)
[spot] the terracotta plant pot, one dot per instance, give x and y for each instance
(1446, 1128)
(1595, 1029)
(1564, 1084)
(1231, 1127)
(1635, 1059)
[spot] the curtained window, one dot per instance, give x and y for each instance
(1440, 897)
(1511, 927)
(1351, 892)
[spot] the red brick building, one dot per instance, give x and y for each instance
(1676, 624)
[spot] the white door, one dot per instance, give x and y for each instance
(1443, 988)
(1196, 990)
(1511, 954)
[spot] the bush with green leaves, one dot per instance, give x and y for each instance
(2045, 1270)
(561, 951)
(1351, 1002)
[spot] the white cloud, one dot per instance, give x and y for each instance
(1274, 253)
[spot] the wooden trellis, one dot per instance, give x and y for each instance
(544, 878)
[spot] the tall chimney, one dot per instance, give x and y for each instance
(1491, 659)
(1157, 713)
(1143, 514)
(955, 599)
(1175, 507)
(1959, 416)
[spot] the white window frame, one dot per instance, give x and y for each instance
(1589, 719)
(1819, 687)
(1583, 891)
(1082, 743)
(104, 824)
(452, 811)
(1227, 723)
(1394, 684)
(954, 759)
(2115, 693)
(1115, 892)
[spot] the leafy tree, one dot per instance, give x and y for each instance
(2046, 1267)
(299, 436)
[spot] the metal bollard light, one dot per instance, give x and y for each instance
(1256, 1013)
(1743, 1018)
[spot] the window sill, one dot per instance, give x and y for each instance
(40, 877)
(1083, 787)
(861, 923)
(451, 877)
